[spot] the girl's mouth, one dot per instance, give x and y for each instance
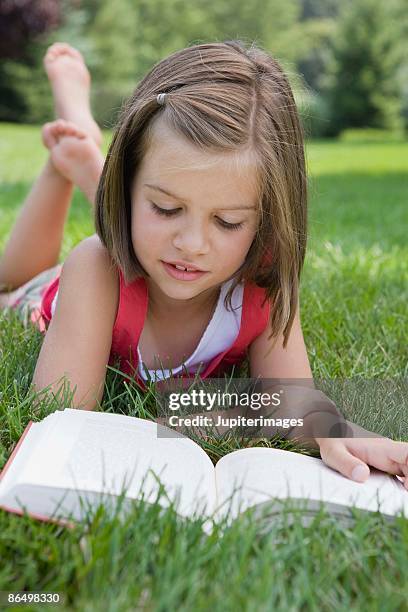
(183, 275)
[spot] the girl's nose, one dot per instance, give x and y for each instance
(192, 239)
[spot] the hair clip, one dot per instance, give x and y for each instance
(161, 98)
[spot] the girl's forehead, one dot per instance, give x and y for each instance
(173, 160)
(171, 148)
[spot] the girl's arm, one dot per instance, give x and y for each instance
(78, 341)
(350, 456)
(279, 362)
(288, 370)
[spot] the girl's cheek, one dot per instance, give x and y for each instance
(152, 230)
(244, 239)
(234, 248)
(143, 223)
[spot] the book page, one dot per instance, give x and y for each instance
(107, 452)
(32, 439)
(266, 473)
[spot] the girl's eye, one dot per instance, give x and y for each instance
(166, 212)
(229, 226)
(170, 212)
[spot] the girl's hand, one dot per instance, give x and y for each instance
(352, 456)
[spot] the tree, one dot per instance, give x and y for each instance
(363, 83)
(23, 25)
(312, 9)
(23, 20)
(122, 40)
(128, 37)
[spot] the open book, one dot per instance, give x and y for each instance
(76, 456)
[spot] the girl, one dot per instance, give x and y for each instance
(200, 216)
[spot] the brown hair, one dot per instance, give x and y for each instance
(222, 97)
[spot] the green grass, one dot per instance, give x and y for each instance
(353, 304)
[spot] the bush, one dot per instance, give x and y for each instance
(363, 81)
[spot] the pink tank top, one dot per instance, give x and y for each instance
(131, 315)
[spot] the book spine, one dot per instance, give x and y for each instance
(39, 517)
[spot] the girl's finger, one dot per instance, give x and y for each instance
(388, 455)
(398, 452)
(404, 470)
(339, 458)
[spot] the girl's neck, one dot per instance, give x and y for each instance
(161, 307)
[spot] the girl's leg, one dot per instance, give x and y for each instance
(35, 241)
(70, 83)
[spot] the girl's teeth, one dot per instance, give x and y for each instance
(184, 269)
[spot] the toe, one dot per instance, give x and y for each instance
(54, 50)
(57, 50)
(60, 126)
(77, 132)
(77, 54)
(61, 48)
(71, 130)
(48, 135)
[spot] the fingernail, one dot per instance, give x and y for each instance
(359, 473)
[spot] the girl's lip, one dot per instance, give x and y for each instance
(190, 267)
(182, 274)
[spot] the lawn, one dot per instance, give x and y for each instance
(353, 308)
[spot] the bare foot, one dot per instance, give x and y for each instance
(74, 154)
(70, 83)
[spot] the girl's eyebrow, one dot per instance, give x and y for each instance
(173, 195)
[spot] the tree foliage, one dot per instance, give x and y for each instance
(364, 82)
(344, 58)
(129, 36)
(23, 20)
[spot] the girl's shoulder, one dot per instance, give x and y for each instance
(89, 274)
(93, 253)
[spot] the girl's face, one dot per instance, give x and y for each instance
(194, 208)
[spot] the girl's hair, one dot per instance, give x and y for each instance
(222, 97)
